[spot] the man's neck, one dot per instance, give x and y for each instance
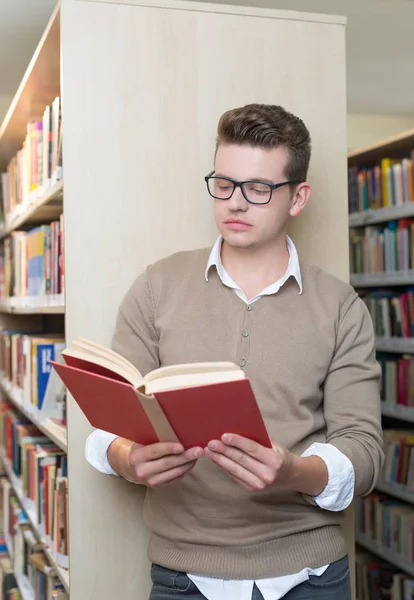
(254, 269)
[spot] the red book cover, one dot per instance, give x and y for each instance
(196, 414)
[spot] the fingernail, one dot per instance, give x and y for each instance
(198, 452)
(208, 452)
(178, 450)
(213, 445)
(226, 437)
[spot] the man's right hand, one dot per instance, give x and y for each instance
(154, 465)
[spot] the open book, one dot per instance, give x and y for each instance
(190, 403)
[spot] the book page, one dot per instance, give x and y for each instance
(95, 349)
(177, 378)
(132, 376)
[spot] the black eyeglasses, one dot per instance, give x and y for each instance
(255, 192)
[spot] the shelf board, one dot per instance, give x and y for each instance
(380, 215)
(382, 279)
(397, 490)
(63, 574)
(386, 553)
(32, 310)
(52, 430)
(46, 207)
(395, 344)
(397, 146)
(38, 88)
(398, 411)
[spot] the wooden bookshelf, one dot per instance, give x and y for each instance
(398, 147)
(62, 573)
(37, 89)
(385, 553)
(42, 205)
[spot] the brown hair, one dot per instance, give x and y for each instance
(268, 126)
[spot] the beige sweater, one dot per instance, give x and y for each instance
(311, 361)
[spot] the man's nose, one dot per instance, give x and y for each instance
(237, 201)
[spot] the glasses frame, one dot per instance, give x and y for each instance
(272, 186)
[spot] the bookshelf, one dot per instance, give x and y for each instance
(32, 326)
(381, 214)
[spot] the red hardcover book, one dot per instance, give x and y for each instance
(192, 403)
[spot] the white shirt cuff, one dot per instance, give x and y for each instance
(339, 491)
(96, 450)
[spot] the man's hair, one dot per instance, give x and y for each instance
(268, 126)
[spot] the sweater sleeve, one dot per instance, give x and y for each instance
(352, 406)
(135, 336)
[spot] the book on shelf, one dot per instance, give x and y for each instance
(384, 248)
(32, 266)
(378, 580)
(39, 470)
(191, 403)
(388, 183)
(397, 381)
(388, 522)
(29, 561)
(399, 458)
(25, 362)
(392, 312)
(37, 165)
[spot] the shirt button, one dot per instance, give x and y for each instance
(245, 333)
(249, 307)
(242, 363)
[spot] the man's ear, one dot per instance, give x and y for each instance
(300, 199)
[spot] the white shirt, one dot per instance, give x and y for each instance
(336, 496)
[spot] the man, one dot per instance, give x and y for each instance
(234, 520)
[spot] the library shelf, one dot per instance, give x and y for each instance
(396, 146)
(395, 344)
(44, 207)
(381, 215)
(36, 90)
(52, 430)
(25, 587)
(362, 280)
(398, 411)
(402, 492)
(62, 573)
(385, 553)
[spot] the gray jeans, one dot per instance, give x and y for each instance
(334, 584)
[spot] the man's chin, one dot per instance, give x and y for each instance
(239, 242)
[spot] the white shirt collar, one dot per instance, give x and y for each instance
(293, 269)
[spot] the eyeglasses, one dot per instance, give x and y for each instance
(255, 192)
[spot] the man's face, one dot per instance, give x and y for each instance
(245, 225)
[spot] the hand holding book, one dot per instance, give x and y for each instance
(153, 465)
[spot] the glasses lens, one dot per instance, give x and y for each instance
(220, 188)
(256, 192)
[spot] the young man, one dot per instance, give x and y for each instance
(237, 521)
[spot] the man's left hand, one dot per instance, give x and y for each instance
(253, 466)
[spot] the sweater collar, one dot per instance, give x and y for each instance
(293, 268)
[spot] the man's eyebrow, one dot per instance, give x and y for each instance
(257, 179)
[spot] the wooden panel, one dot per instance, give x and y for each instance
(138, 141)
(39, 86)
